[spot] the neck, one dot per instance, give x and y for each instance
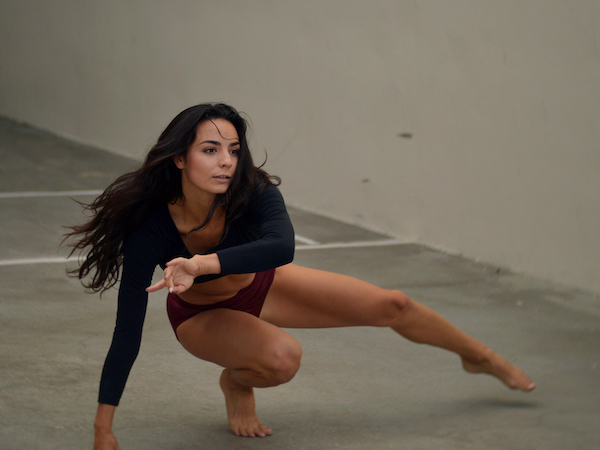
(192, 210)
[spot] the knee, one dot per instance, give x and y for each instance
(284, 361)
(396, 304)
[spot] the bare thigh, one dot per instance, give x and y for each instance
(237, 340)
(301, 297)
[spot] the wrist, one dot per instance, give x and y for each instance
(102, 429)
(207, 264)
(102, 426)
(104, 418)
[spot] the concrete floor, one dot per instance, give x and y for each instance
(358, 388)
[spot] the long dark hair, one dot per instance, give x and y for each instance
(125, 203)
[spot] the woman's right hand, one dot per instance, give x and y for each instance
(105, 440)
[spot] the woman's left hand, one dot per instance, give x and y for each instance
(180, 272)
(179, 276)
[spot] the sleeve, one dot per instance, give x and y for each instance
(275, 244)
(139, 261)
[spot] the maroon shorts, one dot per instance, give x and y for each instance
(250, 300)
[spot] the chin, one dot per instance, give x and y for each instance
(223, 190)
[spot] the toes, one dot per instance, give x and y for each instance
(253, 431)
(265, 431)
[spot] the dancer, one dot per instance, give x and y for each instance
(218, 226)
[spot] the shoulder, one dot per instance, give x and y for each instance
(269, 195)
(153, 233)
(270, 213)
(267, 203)
(145, 247)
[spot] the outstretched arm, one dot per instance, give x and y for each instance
(180, 272)
(273, 246)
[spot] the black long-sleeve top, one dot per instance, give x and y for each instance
(262, 239)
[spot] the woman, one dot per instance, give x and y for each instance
(217, 225)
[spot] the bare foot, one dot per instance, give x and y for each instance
(493, 364)
(241, 412)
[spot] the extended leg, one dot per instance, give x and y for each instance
(421, 324)
(308, 298)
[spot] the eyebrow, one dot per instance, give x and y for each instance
(218, 143)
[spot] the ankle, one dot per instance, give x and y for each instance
(480, 356)
(229, 380)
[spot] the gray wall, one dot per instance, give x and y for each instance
(501, 99)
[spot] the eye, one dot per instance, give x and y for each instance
(210, 150)
(235, 151)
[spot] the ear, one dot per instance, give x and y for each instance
(179, 161)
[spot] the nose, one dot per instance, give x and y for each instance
(226, 159)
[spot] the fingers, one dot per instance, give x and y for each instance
(172, 268)
(166, 282)
(157, 286)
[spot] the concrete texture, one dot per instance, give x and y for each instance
(358, 388)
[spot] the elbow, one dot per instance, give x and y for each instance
(287, 250)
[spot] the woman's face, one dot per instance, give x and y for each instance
(210, 162)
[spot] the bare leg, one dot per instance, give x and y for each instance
(253, 352)
(421, 324)
(241, 408)
(308, 298)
